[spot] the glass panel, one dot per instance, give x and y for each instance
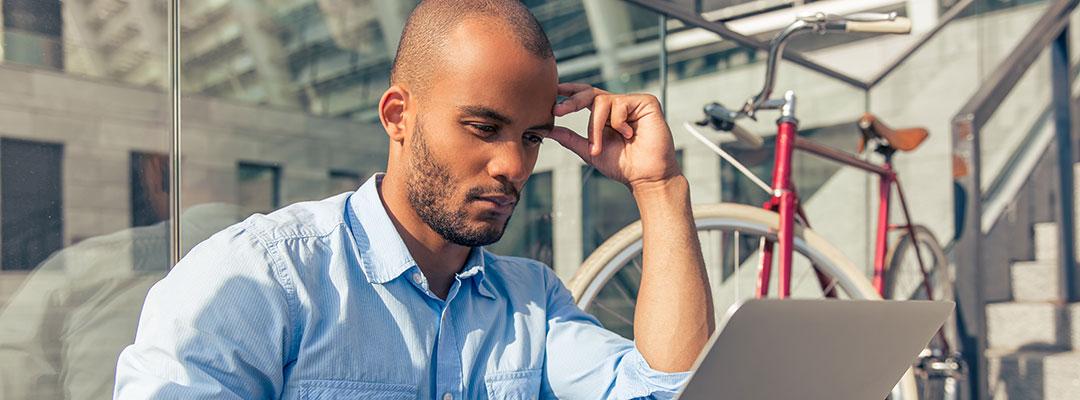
(279, 102)
(1023, 116)
(258, 187)
(84, 228)
(344, 181)
(999, 26)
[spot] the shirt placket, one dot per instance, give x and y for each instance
(449, 373)
(448, 368)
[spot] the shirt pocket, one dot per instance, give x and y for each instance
(516, 385)
(334, 389)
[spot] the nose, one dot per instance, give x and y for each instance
(510, 162)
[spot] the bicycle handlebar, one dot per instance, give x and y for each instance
(723, 119)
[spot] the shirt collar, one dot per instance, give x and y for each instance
(384, 254)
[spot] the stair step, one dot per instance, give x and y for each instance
(1027, 325)
(1031, 375)
(1034, 281)
(1046, 241)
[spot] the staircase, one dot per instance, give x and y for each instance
(1033, 340)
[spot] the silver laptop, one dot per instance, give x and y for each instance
(814, 349)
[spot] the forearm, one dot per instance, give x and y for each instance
(674, 316)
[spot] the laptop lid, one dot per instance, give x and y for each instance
(814, 349)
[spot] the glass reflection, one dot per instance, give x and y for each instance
(83, 189)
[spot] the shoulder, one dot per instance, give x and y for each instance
(253, 246)
(298, 220)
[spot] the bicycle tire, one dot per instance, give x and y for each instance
(941, 274)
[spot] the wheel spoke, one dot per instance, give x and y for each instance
(831, 286)
(620, 287)
(620, 317)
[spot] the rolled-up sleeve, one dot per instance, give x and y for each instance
(585, 361)
(218, 326)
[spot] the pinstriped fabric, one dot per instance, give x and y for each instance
(322, 300)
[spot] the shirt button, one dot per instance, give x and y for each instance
(419, 279)
(447, 396)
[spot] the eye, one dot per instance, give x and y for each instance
(533, 139)
(483, 130)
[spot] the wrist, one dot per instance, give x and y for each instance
(671, 188)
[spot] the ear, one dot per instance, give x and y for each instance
(392, 108)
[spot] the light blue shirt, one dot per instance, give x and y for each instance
(322, 300)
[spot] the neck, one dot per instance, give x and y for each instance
(437, 258)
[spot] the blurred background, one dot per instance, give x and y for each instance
(277, 105)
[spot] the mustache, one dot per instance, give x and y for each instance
(505, 189)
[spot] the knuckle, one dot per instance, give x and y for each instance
(649, 97)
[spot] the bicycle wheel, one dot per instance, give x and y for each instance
(904, 280)
(731, 235)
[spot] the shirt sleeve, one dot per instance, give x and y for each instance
(584, 360)
(218, 326)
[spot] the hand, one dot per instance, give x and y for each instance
(628, 139)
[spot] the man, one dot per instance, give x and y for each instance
(387, 292)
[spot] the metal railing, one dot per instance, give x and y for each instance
(1050, 31)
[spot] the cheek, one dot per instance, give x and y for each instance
(531, 155)
(460, 153)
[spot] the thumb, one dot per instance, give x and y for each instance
(572, 141)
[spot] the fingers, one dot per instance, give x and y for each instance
(569, 88)
(571, 141)
(579, 96)
(600, 112)
(620, 112)
(607, 110)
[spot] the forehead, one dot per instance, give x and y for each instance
(484, 65)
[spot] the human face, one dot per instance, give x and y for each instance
(477, 134)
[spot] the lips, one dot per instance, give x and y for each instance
(501, 203)
(500, 200)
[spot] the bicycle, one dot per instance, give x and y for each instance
(735, 235)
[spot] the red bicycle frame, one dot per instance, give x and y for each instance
(785, 202)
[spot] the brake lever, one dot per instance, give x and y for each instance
(719, 117)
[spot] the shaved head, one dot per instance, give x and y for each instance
(428, 31)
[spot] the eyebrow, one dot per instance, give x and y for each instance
(491, 114)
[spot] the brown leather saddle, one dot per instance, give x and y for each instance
(906, 139)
